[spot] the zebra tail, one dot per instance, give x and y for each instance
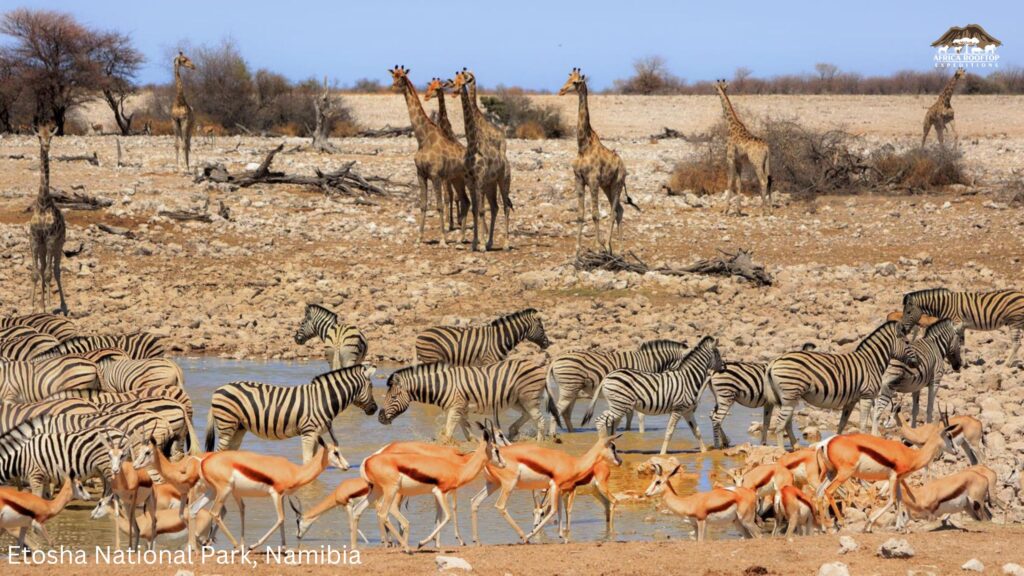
(549, 386)
(593, 402)
(211, 432)
(190, 437)
(772, 393)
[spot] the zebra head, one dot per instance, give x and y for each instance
(364, 396)
(396, 400)
(535, 332)
(912, 313)
(307, 329)
(661, 480)
(949, 338)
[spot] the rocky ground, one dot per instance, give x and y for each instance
(237, 287)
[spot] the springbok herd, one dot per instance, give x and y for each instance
(79, 407)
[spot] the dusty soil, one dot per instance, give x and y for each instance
(934, 553)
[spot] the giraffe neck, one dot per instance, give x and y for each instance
(469, 115)
(418, 117)
(179, 86)
(442, 111)
(583, 130)
(44, 174)
(735, 125)
(947, 90)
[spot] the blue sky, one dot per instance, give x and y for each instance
(534, 44)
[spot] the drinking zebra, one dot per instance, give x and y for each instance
(575, 373)
(278, 412)
(834, 381)
(743, 382)
(981, 311)
(676, 391)
(139, 345)
(940, 344)
(346, 345)
(23, 381)
(480, 345)
(488, 389)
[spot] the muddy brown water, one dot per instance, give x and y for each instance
(360, 435)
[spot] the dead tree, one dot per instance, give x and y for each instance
(324, 107)
(737, 263)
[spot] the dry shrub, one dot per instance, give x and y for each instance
(918, 169)
(345, 129)
(702, 175)
(530, 130)
(511, 108)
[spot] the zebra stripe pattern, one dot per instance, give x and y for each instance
(940, 344)
(834, 381)
(11, 415)
(34, 381)
(346, 344)
(577, 372)
(135, 375)
(16, 331)
(743, 383)
(277, 412)
(138, 346)
(28, 347)
(458, 389)
(971, 310)
(480, 345)
(53, 324)
(676, 392)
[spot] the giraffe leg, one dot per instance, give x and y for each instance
(506, 203)
(460, 188)
(55, 254)
(475, 202)
(439, 192)
(939, 130)
(45, 272)
(492, 203)
(927, 129)
(952, 128)
(730, 174)
(187, 141)
(37, 273)
(580, 210)
(422, 178)
(595, 210)
(176, 122)
(449, 192)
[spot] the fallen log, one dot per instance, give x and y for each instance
(183, 215)
(737, 263)
(387, 131)
(667, 133)
(116, 230)
(90, 158)
(79, 200)
(602, 260)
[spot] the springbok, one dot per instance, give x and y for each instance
(346, 494)
(533, 467)
(968, 431)
(166, 523)
(803, 463)
(130, 486)
(182, 475)
(871, 458)
(968, 491)
(796, 509)
(736, 505)
(407, 474)
(241, 474)
(24, 510)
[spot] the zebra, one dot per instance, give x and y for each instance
(87, 453)
(28, 347)
(278, 412)
(743, 382)
(480, 345)
(174, 392)
(53, 324)
(489, 389)
(941, 342)
(576, 372)
(981, 311)
(138, 345)
(12, 414)
(676, 391)
(133, 375)
(834, 381)
(15, 331)
(23, 381)
(176, 415)
(142, 422)
(346, 345)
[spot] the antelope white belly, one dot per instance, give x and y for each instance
(727, 515)
(954, 505)
(244, 486)
(10, 518)
(410, 487)
(531, 480)
(868, 466)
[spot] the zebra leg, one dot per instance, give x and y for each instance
(669, 430)
(933, 388)
(1017, 335)
(915, 407)
(781, 422)
(865, 412)
(696, 431)
(513, 430)
(844, 417)
(721, 410)
(309, 442)
(640, 422)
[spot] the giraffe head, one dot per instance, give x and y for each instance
(576, 78)
(959, 73)
(182, 60)
(463, 78)
(399, 76)
(435, 88)
(45, 132)
(721, 85)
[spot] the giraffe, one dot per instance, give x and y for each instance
(487, 166)
(182, 116)
(437, 88)
(595, 166)
(742, 144)
(46, 229)
(438, 159)
(941, 112)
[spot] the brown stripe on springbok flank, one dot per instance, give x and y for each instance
(960, 489)
(18, 508)
(725, 505)
(804, 498)
(877, 456)
(417, 475)
(361, 492)
(538, 467)
(254, 475)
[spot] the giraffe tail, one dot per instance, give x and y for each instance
(629, 201)
(768, 173)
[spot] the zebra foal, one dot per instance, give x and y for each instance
(346, 345)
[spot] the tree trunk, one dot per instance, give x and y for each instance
(321, 132)
(116, 104)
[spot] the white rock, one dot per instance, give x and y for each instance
(847, 544)
(973, 565)
(452, 563)
(1013, 569)
(895, 548)
(833, 569)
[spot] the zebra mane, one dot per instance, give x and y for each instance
(321, 308)
(891, 326)
(526, 312)
(326, 375)
(936, 327)
(701, 346)
(661, 343)
(416, 370)
(910, 296)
